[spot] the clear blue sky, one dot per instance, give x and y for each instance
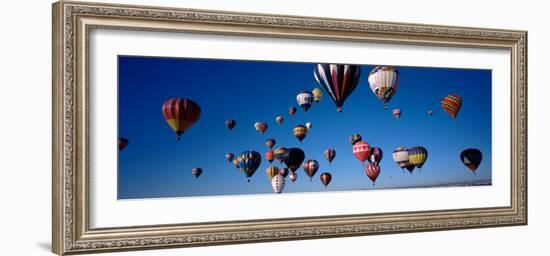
(155, 164)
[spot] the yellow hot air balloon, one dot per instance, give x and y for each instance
(300, 132)
(317, 94)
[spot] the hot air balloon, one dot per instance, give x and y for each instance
(401, 157)
(418, 156)
(452, 104)
(249, 161)
(310, 167)
(230, 124)
(325, 178)
(278, 183)
(338, 81)
(384, 82)
(317, 94)
(304, 99)
(430, 112)
(284, 172)
(292, 111)
(293, 176)
(281, 153)
(271, 172)
(396, 113)
(270, 155)
(375, 155)
(122, 143)
(279, 119)
(372, 170)
(196, 172)
(308, 125)
(355, 138)
(300, 132)
(229, 157)
(236, 163)
(361, 150)
(294, 158)
(329, 154)
(471, 158)
(180, 114)
(261, 127)
(270, 143)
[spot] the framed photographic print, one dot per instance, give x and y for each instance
(177, 127)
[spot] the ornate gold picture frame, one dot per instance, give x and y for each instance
(72, 24)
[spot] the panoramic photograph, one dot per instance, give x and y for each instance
(209, 127)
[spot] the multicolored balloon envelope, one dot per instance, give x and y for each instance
(279, 119)
(451, 104)
(270, 143)
(361, 150)
(338, 81)
(281, 153)
(396, 113)
(272, 171)
(300, 132)
(329, 154)
(317, 94)
(291, 111)
(305, 99)
(229, 157)
(372, 170)
(375, 155)
(260, 127)
(471, 158)
(293, 176)
(249, 161)
(196, 172)
(230, 124)
(180, 114)
(310, 167)
(401, 157)
(384, 81)
(418, 156)
(355, 138)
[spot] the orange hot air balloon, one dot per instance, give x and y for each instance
(325, 179)
(180, 114)
(270, 155)
(451, 104)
